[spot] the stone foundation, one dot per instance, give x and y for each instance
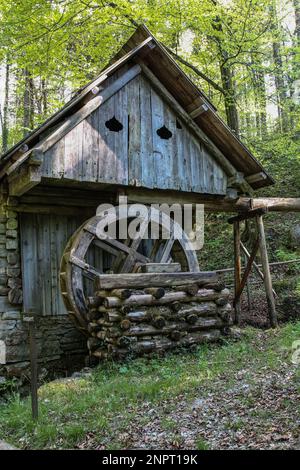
(60, 345)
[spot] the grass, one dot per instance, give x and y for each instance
(105, 402)
(201, 444)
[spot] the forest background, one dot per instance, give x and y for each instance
(245, 55)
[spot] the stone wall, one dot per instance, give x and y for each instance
(60, 346)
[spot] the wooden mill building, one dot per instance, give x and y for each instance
(140, 129)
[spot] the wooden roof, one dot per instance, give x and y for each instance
(143, 46)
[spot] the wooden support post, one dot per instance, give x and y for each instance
(248, 289)
(266, 271)
(247, 271)
(259, 272)
(237, 270)
(33, 365)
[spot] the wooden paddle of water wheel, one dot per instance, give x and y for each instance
(139, 294)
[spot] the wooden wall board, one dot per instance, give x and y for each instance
(136, 155)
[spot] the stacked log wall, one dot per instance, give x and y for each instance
(124, 325)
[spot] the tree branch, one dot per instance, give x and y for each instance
(196, 70)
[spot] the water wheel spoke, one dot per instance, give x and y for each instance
(116, 266)
(166, 253)
(133, 254)
(106, 247)
(87, 270)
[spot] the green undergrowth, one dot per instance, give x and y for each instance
(107, 400)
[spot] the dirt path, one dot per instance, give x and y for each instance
(258, 408)
(5, 446)
(249, 415)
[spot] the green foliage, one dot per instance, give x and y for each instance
(61, 45)
(280, 155)
(201, 444)
(284, 255)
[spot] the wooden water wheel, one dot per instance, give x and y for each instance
(77, 272)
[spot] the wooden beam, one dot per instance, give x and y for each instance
(122, 281)
(266, 271)
(248, 215)
(150, 196)
(247, 271)
(257, 266)
(237, 180)
(58, 210)
(276, 204)
(237, 270)
(198, 111)
(212, 203)
(160, 268)
(27, 178)
(16, 165)
(256, 177)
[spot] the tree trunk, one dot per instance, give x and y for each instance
(5, 109)
(28, 103)
(229, 97)
(296, 4)
(228, 84)
(280, 85)
(44, 96)
(258, 79)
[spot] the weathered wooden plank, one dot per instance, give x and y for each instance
(237, 269)
(27, 178)
(122, 281)
(146, 154)
(44, 263)
(121, 144)
(88, 108)
(228, 168)
(160, 268)
(158, 143)
(90, 147)
(30, 278)
(134, 134)
(73, 161)
(55, 209)
(103, 145)
(266, 271)
(169, 122)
